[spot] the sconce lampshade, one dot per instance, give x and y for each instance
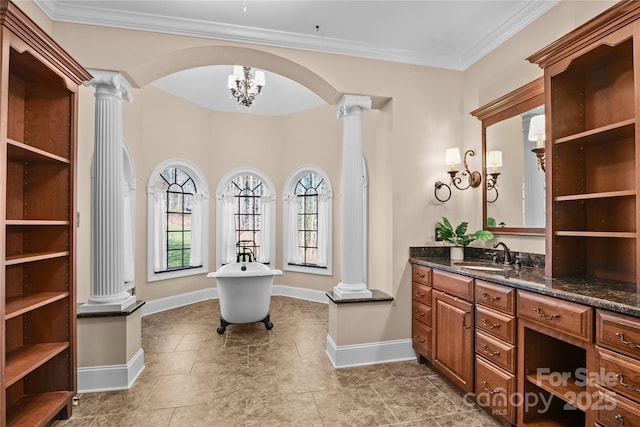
(494, 159)
(452, 156)
(536, 127)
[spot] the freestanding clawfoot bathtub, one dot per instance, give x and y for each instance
(244, 289)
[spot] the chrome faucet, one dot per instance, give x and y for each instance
(507, 253)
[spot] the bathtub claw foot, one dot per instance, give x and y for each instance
(267, 324)
(223, 326)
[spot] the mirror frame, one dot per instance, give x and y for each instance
(516, 102)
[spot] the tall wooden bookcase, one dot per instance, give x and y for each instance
(592, 101)
(38, 113)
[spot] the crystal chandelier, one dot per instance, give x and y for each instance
(244, 86)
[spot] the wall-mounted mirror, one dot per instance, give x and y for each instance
(514, 183)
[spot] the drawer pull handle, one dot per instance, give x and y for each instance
(486, 388)
(417, 338)
(489, 298)
(629, 387)
(620, 420)
(419, 295)
(488, 352)
(541, 314)
(629, 344)
(420, 313)
(464, 320)
(420, 276)
(488, 325)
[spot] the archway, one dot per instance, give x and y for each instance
(184, 59)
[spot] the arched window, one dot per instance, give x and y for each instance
(245, 203)
(177, 224)
(307, 227)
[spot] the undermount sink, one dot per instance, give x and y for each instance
(483, 266)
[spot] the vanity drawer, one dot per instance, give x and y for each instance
(453, 284)
(422, 293)
(619, 373)
(496, 296)
(421, 336)
(618, 332)
(495, 323)
(421, 312)
(495, 388)
(496, 351)
(613, 410)
(562, 316)
(421, 274)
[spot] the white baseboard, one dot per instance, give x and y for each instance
(369, 353)
(112, 377)
(175, 301)
(300, 293)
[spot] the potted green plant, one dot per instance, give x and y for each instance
(458, 236)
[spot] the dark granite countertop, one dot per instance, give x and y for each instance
(620, 297)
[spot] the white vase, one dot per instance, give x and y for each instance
(457, 253)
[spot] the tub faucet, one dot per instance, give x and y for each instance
(244, 254)
(507, 253)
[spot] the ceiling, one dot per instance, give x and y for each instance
(451, 34)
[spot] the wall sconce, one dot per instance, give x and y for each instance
(536, 133)
(452, 158)
(494, 161)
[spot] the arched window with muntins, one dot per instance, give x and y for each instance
(176, 221)
(245, 216)
(307, 221)
(307, 190)
(247, 191)
(180, 191)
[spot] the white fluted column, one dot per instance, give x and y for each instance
(353, 256)
(107, 269)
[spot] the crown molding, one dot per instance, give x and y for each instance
(517, 23)
(84, 14)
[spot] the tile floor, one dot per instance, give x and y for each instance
(253, 377)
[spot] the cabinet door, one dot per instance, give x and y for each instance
(453, 351)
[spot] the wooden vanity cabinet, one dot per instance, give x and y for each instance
(555, 353)
(38, 116)
(495, 376)
(618, 359)
(421, 331)
(453, 328)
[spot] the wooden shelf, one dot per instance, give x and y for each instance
(39, 256)
(569, 392)
(17, 306)
(27, 153)
(29, 222)
(602, 234)
(593, 196)
(38, 364)
(546, 423)
(28, 358)
(619, 130)
(37, 409)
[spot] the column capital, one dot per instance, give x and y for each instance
(110, 83)
(353, 104)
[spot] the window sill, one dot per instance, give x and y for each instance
(321, 271)
(152, 276)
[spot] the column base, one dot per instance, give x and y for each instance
(358, 291)
(94, 307)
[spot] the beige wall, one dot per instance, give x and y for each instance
(404, 142)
